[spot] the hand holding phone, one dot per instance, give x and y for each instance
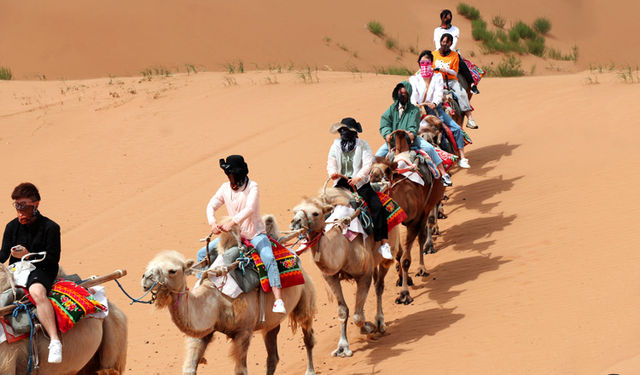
(18, 251)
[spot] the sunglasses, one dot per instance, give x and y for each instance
(23, 206)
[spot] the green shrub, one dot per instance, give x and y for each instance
(5, 74)
(499, 22)
(535, 46)
(542, 25)
(502, 36)
(479, 30)
(393, 70)
(508, 67)
(514, 36)
(524, 31)
(375, 28)
(390, 43)
(468, 11)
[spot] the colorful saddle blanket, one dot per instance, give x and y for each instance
(395, 213)
(476, 72)
(290, 272)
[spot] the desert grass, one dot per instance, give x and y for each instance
(542, 25)
(5, 74)
(509, 67)
(499, 22)
(468, 11)
(393, 70)
(375, 28)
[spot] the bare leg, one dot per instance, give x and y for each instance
(271, 343)
(45, 310)
(343, 315)
(277, 293)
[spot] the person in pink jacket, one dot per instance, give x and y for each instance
(240, 196)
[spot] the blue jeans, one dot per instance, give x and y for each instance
(202, 253)
(452, 125)
(422, 144)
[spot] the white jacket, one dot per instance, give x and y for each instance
(434, 91)
(362, 160)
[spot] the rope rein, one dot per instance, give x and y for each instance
(139, 300)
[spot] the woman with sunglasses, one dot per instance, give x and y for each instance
(30, 232)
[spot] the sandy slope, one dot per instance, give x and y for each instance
(80, 39)
(535, 269)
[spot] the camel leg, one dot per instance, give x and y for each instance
(423, 236)
(379, 285)
(343, 315)
(271, 343)
(195, 352)
(432, 224)
(362, 290)
(240, 346)
(405, 263)
(309, 342)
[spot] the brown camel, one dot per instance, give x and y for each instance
(419, 202)
(341, 259)
(92, 346)
(205, 310)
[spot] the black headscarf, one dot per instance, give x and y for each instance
(348, 139)
(235, 166)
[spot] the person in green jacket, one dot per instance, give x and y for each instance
(406, 116)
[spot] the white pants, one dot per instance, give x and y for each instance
(463, 99)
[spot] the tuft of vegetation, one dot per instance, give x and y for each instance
(393, 70)
(542, 25)
(467, 11)
(232, 68)
(5, 74)
(326, 39)
(499, 22)
(191, 69)
(271, 80)
(343, 47)
(524, 31)
(307, 77)
(508, 67)
(390, 43)
(375, 28)
(627, 75)
(535, 46)
(558, 55)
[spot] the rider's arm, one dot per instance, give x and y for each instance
(415, 95)
(214, 203)
(367, 161)
(250, 205)
(332, 161)
(414, 125)
(386, 123)
(438, 84)
(51, 245)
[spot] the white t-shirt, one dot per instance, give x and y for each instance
(439, 31)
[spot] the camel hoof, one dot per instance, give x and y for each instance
(368, 328)
(342, 352)
(430, 249)
(422, 272)
(442, 215)
(399, 282)
(202, 361)
(382, 328)
(409, 281)
(404, 298)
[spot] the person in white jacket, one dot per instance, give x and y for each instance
(427, 95)
(351, 157)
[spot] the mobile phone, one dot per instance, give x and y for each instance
(17, 248)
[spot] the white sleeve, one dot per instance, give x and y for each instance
(436, 37)
(216, 202)
(332, 162)
(438, 85)
(415, 95)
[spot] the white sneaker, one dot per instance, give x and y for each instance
(55, 351)
(278, 307)
(385, 250)
(446, 180)
(464, 163)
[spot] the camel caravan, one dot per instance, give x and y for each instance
(250, 277)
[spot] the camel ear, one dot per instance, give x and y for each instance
(327, 208)
(187, 267)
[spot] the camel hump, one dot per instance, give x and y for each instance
(271, 226)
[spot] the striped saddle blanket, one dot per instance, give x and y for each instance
(288, 265)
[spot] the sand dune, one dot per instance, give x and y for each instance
(535, 269)
(79, 39)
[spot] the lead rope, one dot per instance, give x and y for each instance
(30, 315)
(138, 300)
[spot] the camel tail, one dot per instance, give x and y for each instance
(271, 226)
(306, 309)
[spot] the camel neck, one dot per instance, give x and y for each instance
(195, 313)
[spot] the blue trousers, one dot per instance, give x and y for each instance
(263, 245)
(418, 142)
(452, 125)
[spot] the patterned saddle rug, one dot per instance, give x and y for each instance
(288, 265)
(395, 213)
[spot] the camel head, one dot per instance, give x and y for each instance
(401, 140)
(310, 214)
(382, 169)
(431, 129)
(166, 275)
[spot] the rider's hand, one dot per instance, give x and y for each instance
(215, 228)
(388, 138)
(431, 105)
(353, 181)
(19, 251)
(411, 137)
(227, 226)
(335, 176)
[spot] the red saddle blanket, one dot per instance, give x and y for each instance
(395, 213)
(288, 266)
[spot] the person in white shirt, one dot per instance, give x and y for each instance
(447, 28)
(240, 196)
(427, 95)
(351, 157)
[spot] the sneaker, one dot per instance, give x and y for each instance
(464, 163)
(55, 351)
(385, 250)
(278, 307)
(474, 89)
(471, 124)
(446, 180)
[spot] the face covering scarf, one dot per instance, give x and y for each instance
(426, 70)
(348, 140)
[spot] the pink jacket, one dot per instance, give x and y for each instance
(243, 206)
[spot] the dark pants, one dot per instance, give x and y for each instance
(378, 213)
(464, 70)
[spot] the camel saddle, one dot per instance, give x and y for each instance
(426, 167)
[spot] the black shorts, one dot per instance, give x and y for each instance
(38, 276)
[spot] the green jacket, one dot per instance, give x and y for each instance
(409, 121)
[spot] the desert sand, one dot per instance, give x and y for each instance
(534, 272)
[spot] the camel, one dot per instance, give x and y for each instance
(205, 310)
(419, 203)
(92, 346)
(340, 259)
